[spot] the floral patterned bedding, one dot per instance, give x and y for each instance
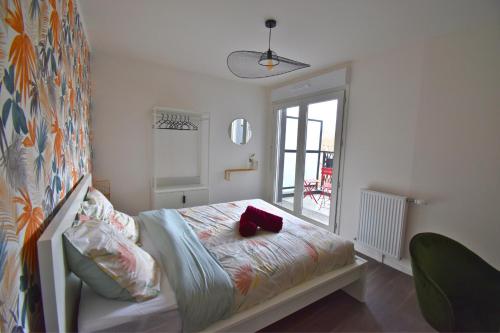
(267, 264)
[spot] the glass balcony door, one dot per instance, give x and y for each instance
(309, 135)
(289, 121)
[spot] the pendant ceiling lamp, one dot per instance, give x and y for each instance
(255, 65)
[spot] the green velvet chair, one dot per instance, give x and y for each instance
(456, 289)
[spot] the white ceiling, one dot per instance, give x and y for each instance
(198, 35)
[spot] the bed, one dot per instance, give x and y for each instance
(77, 307)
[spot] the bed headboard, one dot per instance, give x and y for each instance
(60, 287)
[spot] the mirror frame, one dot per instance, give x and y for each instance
(249, 131)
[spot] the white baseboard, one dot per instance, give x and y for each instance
(403, 265)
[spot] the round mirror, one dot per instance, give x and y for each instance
(240, 131)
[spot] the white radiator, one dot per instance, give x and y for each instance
(382, 221)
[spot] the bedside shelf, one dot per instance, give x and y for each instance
(227, 172)
(177, 188)
(103, 186)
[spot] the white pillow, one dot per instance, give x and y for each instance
(110, 264)
(124, 224)
(97, 205)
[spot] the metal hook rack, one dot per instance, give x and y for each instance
(174, 121)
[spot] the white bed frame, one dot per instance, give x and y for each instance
(61, 288)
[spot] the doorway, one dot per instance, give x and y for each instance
(308, 157)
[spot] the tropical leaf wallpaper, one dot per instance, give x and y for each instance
(44, 140)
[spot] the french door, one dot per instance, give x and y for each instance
(308, 157)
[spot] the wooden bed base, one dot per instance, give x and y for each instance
(61, 288)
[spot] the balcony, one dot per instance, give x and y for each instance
(317, 185)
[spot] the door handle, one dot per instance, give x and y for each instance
(183, 199)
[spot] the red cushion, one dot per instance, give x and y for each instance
(265, 220)
(247, 227)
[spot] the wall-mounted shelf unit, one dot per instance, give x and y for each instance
(180, 158)
(227, 172)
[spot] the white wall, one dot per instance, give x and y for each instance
(424, 121)
(174, 159)
(124, 92)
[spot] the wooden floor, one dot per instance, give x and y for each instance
(391, 306)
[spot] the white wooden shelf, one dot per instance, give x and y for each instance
(180, 158)
(177, 188)
(227, 172)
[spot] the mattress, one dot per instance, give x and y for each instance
(267, 264)
(160, 314)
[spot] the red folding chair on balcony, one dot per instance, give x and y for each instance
(310, 186)
(325, 186)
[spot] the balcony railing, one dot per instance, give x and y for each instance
(325, 160)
